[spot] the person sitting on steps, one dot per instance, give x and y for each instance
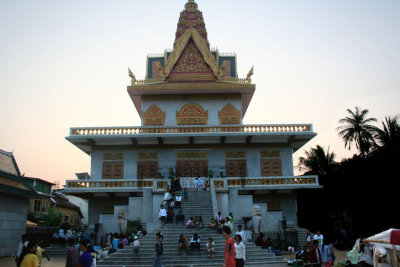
(195, 242)
(182, 244)
(210, 248)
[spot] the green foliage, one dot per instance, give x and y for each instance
(357, 129)
(53, 219)
(171, 173)
(318, 161)
(132, 226)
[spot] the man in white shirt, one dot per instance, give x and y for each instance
(162, 215)
(241, 233)
(319, 238)
(178, 201)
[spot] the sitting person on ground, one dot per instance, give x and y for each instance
(213, 224)
(125, 241)
(228, 223)
(210, 248)
(182, 244)
(189, 223)
(241, 233)
(115, 242)
(219, 218)
(200, 222)
(136, 247)
(260, 241)
(178, 201)
(269, 244)
(170, 215)
(195, 242)
(195, 222)
(180, 216)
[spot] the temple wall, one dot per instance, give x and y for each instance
(167, 159)
(171, 107)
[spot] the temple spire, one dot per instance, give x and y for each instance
(191, 17)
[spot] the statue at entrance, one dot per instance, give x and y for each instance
(256, 219)
(122, 220)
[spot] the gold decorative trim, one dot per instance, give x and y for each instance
(270, 154)
(229, 115)
(235, 154)
(192, 155)
(180, 45)
(148, 156)
(153, 116)
(113, 156)
(191, 114)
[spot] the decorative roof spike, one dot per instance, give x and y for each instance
(191, 17)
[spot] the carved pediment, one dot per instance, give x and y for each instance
(229, 115)
(191, 114)
(153, 116)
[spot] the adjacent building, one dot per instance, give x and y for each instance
(192, 104)
(14, 199)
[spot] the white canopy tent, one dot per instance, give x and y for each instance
(389, 239)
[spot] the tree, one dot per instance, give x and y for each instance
(318, 161)
(389, 135)
(357, 129)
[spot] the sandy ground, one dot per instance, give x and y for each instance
(54, 262)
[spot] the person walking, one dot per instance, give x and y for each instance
(314, 256)
(159, 251)
(319, 238)
(41, 251)
(240, 251)
(162, 215)
(86, 259)
(136, 247)
(72, 254)
(308, 239)
(199, 183)
(21, 244)
(229, 252)
(326, 254)
(28, 256)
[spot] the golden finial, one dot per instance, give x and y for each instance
(133, 78)
(249, 74)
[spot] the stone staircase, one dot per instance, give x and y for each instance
(198, 204)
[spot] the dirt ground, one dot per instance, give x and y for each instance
(54, 262)
(340, 256)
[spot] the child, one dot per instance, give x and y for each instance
(210, 248)
(189, 223)
(136, 247)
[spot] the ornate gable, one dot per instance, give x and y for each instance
(191, 66)
(153, 116)
(229, 115)
(191, 114)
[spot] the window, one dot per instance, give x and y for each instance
(271, 167)
(191, 168)
(113, 169)
(147, 169)
(37, 205)
(236, 168)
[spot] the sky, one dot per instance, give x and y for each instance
(64, 64)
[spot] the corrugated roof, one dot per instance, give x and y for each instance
(8, 163)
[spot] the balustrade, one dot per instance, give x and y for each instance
(188, 129)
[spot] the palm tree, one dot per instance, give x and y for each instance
(357, 129)
(318, 161)
(390, 132)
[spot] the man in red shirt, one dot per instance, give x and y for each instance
(314, 256)
(229, 255)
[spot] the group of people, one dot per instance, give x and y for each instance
(318, 251)
(30, 252)
(195, 222)
(219, 222)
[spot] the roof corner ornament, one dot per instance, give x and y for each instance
(161, 70)
(133, 78)
(220, 70)
(249, 74)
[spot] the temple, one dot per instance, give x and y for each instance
(192, 104)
